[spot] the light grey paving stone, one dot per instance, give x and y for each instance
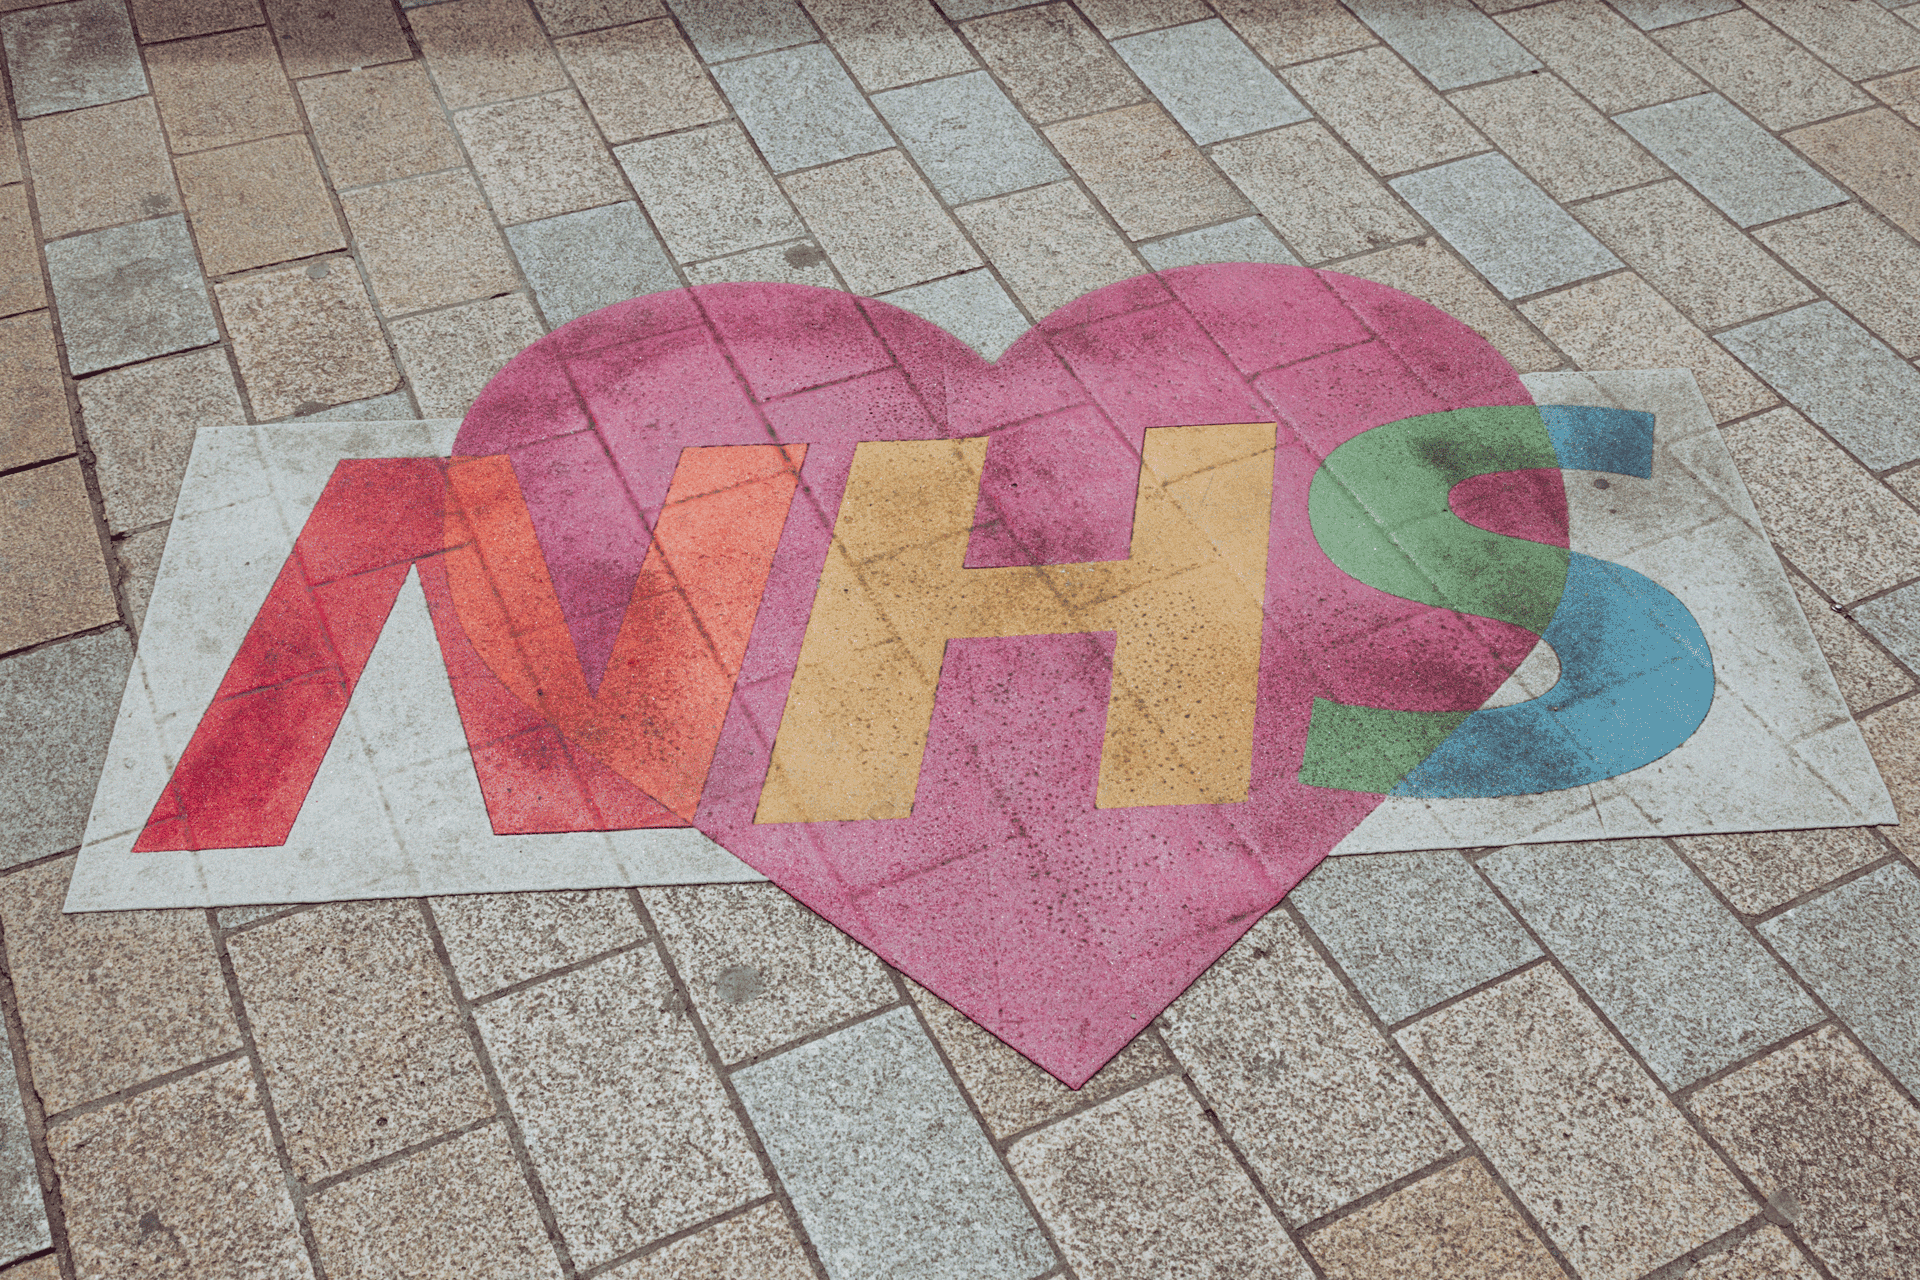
(722, 29)
(58, 704)
(880, 222)
(1650, 15)
(1751, 175)
(1209, 81)
(890, 1173)
(967, 138)
(1450, 42)
(802, 262)
(1411, 929)
(395, 406)
(65, 56)
(971, 306)
(1243, 240)
(129, 293)
(581, 262)
(1894, 621)
(961, 10)
(23, 1212)
(235, 917)
(1838, 374)
(1505, 225)
(801, 107)
(1859, 948)
(1688, 987)
(708, 192)
(497, 939)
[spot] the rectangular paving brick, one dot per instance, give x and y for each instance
(968, 138)
(98, 166)
(540, 156)
(258, 203)
(486, 51)
(1242, 240)
(796, 262)
(1866, 676)
(851, 1120)
(1762, 72)
(1566, 146)
(570, 17)
(1877, 154)
(53, 579)
(1505, 225)
(173, 19)
(64, 56)
(1894, 620)
(1890, 734)
(640, 80)
(1430, 271)
(726, 29)
(1318, 197)
(140, 421)
(322, 36)
(581, 262)
(1210, 81)
(379, 124)
(1650, 15)
(60, 702)
(879, 223)
(1859, 262)
(428, 241)
(1286, 34)
(1384, 111)
(971, 306)
(1049, 244)
(1116, 18)
(1052, 62)
(1144, 171)
(891, 42)
(759, 1244)
(1839, 375)
(1729, 159)
(221, 89)
(22, 288)
(1858, 40)
(129, 293)
(498, 939)
(801, 107)
(37, 426)
(23, 1209)
(449, 355)
(1453, 1224)
(1450, 42)
(1601, 55)
(305, 337)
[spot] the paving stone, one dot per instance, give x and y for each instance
(59, 703)
(1505, 225)
(174, 19)
(1759, 872)
(1839, 375)
(1384, 111)
(448, 356)
(1765, 74)
(179, 1180)
(1650, 15)
(1412, 929)
(363, 1049)
(879, 222)
(1901, 92)
(1116, 18)
(1141, 167)
(581, 262)
(762, 969)
(1729, 159)
(36, 427)
(1861, 263)
(140, 422)
(95, 167)
(1049, 244)
(109, 999)
(44, 1267)
(1697, 259)
(53, 576)
(1242, 240)
(305, 336)
(971, 306)
(379, 124)
(23, 1210)
(802, 262)
(459, 1208)
(322, 36)
(641, 80)
(10, 170)
(1210, 81)
(538, 157)
(1877, 154)
(1429, 270)
(759, 1244)
(968, 138)
(221, 89)
(257, 204)
(1286, 34)
(1907, 485)
(627, 1124)
(1620, 323)
(395, 407)
(1890, 734)
(1839, 526)
(1599, 1156)
(498, 939)
(428, 241)
(1450, 42)
(485, 51)
(64, 56)
(1566, 146)
(1266, 1017)
(1606, 61)
(724, 29)
(570, 17)
(1866, 676)
(1316, 195)
(1858, 40)
(1767, 1254)
(891, 42)
(850, 1120)
(1894, 620)
(1052, 62)
(801, 108)
(138, 555)
(708, 193)
(1817, 1123)
(21, 286)
(129, 293)
(1452, 1225)
(1143, 1187)
(961, 10)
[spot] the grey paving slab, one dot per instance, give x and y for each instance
(1505, 225)
(581, 262)
(1450, 42)
(395, 406)
(65, 56)
(1672, 968)
(1243, 240)
(1894, 621)
(23, 1212)
(1858, 947)
(890, 1173)
(130, 293)
(1838, 374)
(58, 704)
(1650, 15)
(968, 138)
(1751, 175)
(1413, 929)
(961, 10)
(722, 29)
(971, 306)
(1210, 81)
(801, 107)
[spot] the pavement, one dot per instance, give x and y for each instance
(1694, 1056)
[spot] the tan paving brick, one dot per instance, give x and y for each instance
(539, 156)
(1452, 1225)
(1901, 92)
(1877, 154)
(1116, 18)
(1294, 32)
(99, 166)
(1052, 63)
(642, 79)
(1429, 270)
(1893, 736)
(22, 287)
(109, 999)
(1767, 1254)
(1760, 871)
(319, 36)
(258, 203)
(485, 51)
(570, 17)
(10, 170)
(760, 1244)
(1141, 166)
(1050, 245)
(891, 42)
(1384, 111)
(428, 241)
(1601, 54)
(498, 939)
(140, 421)
(1566, 146)
(175, 19)
(1316, 195)
(138, 556)
(379, 124)
(221, 89)
(1858, 40)
(1907, 485)
(53, 575)
(801, 262)
(1866, 676)
(36, 425)
(306, 337)
(708, 192)
(44, 1267)
(449, 355)
(1767, 75)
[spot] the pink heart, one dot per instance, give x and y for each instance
(1060, 927)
